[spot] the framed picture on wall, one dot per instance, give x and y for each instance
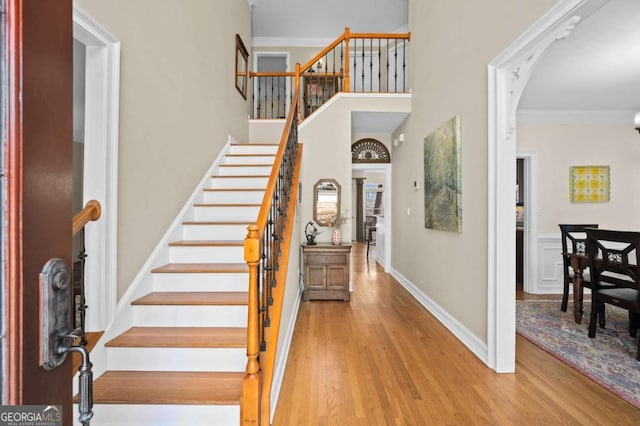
(589, 184)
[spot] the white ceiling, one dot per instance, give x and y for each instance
(325, 19)
(596, 69)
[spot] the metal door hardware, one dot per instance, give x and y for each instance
(57, 336)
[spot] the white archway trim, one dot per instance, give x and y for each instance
(100, 165)
(508, 74)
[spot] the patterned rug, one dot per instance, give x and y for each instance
(609, 359)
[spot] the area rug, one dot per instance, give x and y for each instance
(609, 359)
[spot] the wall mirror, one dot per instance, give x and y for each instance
(242, 67)
(326, 201)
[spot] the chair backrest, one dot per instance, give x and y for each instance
(574, 240)
(576, 235)
(614, 258)
(370, 220)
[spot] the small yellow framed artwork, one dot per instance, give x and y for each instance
(589, 184)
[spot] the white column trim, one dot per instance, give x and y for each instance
(508, 74)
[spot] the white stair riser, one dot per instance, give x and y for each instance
(177, 359)
(189, 316)
(201, 282)
(241, 183)
(195, 254)
(247, 197)
(163, 415)
(245, 171)
(250, 159)
(214, 232)
(254, 149)
(224, 213)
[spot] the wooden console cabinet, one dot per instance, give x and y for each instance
(326, 271)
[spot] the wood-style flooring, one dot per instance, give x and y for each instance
(382, 359)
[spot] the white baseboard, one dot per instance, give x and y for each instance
(470, 340)
(278, 373)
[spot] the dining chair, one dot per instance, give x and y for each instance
(573, 241)
(614, 259)
(369, 228)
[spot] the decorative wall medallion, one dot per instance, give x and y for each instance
(369, 151)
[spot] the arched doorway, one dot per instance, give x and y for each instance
(371, 170)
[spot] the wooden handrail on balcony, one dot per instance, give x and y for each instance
(90, 212)
(265, 255)
(333, 64)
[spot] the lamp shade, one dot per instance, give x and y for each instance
(636, 120)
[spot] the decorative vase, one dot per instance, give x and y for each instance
(336, 236)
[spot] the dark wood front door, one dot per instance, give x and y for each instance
(37, 80)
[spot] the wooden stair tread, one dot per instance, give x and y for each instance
(233, 190)
(168, 387)
(181, 337)
(193, 298)
(238, 176)
(221, 222)
(246, 165)
(92, 338)
(253, 144)
(250, 155)
(178, 268)
(206, 243)
(227, 205)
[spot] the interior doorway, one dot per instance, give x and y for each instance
(377, 193)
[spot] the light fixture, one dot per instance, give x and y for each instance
(636, 121)
(319, 64)
(399, 140)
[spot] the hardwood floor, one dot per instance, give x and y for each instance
(382, 359)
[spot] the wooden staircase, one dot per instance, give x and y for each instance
(183, 358)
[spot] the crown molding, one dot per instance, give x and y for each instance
(535, 116)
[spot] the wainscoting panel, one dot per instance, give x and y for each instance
(549, 249)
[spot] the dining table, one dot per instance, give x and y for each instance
(579, 262)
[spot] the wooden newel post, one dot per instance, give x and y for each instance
(347, 79)
(251, 386)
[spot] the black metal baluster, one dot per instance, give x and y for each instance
(272, 106)
(362, 73)
(371, 65)
(82, 308)
(379, 69)
(278, 79)
(387, 66)
(355, 65)
(395, 76)
(341, 64)
(260, 90)
(404, 67)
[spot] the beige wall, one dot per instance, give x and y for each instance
(178, 103)
(556, 147)
(452, 42)
(327, 149)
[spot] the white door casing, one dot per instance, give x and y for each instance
(102, 86)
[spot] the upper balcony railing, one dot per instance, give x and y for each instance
(354, 62)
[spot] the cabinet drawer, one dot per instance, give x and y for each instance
(324, 259)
